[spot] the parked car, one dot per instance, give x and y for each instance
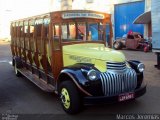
(133, 40)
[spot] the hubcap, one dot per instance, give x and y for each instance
(65, 98)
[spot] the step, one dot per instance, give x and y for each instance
(37, 81)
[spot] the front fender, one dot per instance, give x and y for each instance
(134, 64)
(76, 73)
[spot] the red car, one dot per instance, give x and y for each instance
(133, 40)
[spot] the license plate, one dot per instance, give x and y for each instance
(125, 96)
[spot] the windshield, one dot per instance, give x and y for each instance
(82, 31)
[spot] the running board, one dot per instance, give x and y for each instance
(37, 81)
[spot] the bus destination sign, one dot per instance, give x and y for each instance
(82, 15)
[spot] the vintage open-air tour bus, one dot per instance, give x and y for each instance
(65, 52)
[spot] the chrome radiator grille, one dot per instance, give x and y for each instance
(116, 83)
(116, 66)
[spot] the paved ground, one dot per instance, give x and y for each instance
(20, 96)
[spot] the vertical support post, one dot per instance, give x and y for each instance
(158, 61)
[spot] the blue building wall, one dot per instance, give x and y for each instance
(124, 16)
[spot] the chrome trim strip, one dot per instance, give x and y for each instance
(101, 77)
(116, 66)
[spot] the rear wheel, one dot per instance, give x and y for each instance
(16, 70)
(70, 97)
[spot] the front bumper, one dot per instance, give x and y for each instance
(112, 99)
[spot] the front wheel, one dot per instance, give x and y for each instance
(117, 45)
(70, 97)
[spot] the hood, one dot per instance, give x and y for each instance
(94, 51)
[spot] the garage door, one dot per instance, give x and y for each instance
(125, 14)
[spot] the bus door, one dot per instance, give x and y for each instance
(57, 61)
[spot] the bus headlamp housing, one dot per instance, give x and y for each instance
(137, 65)
(92, 75)
(140, 67)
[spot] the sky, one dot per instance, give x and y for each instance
(24, 8)
(17, 9)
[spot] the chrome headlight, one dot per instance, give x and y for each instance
(141, 67)
(92, 75)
